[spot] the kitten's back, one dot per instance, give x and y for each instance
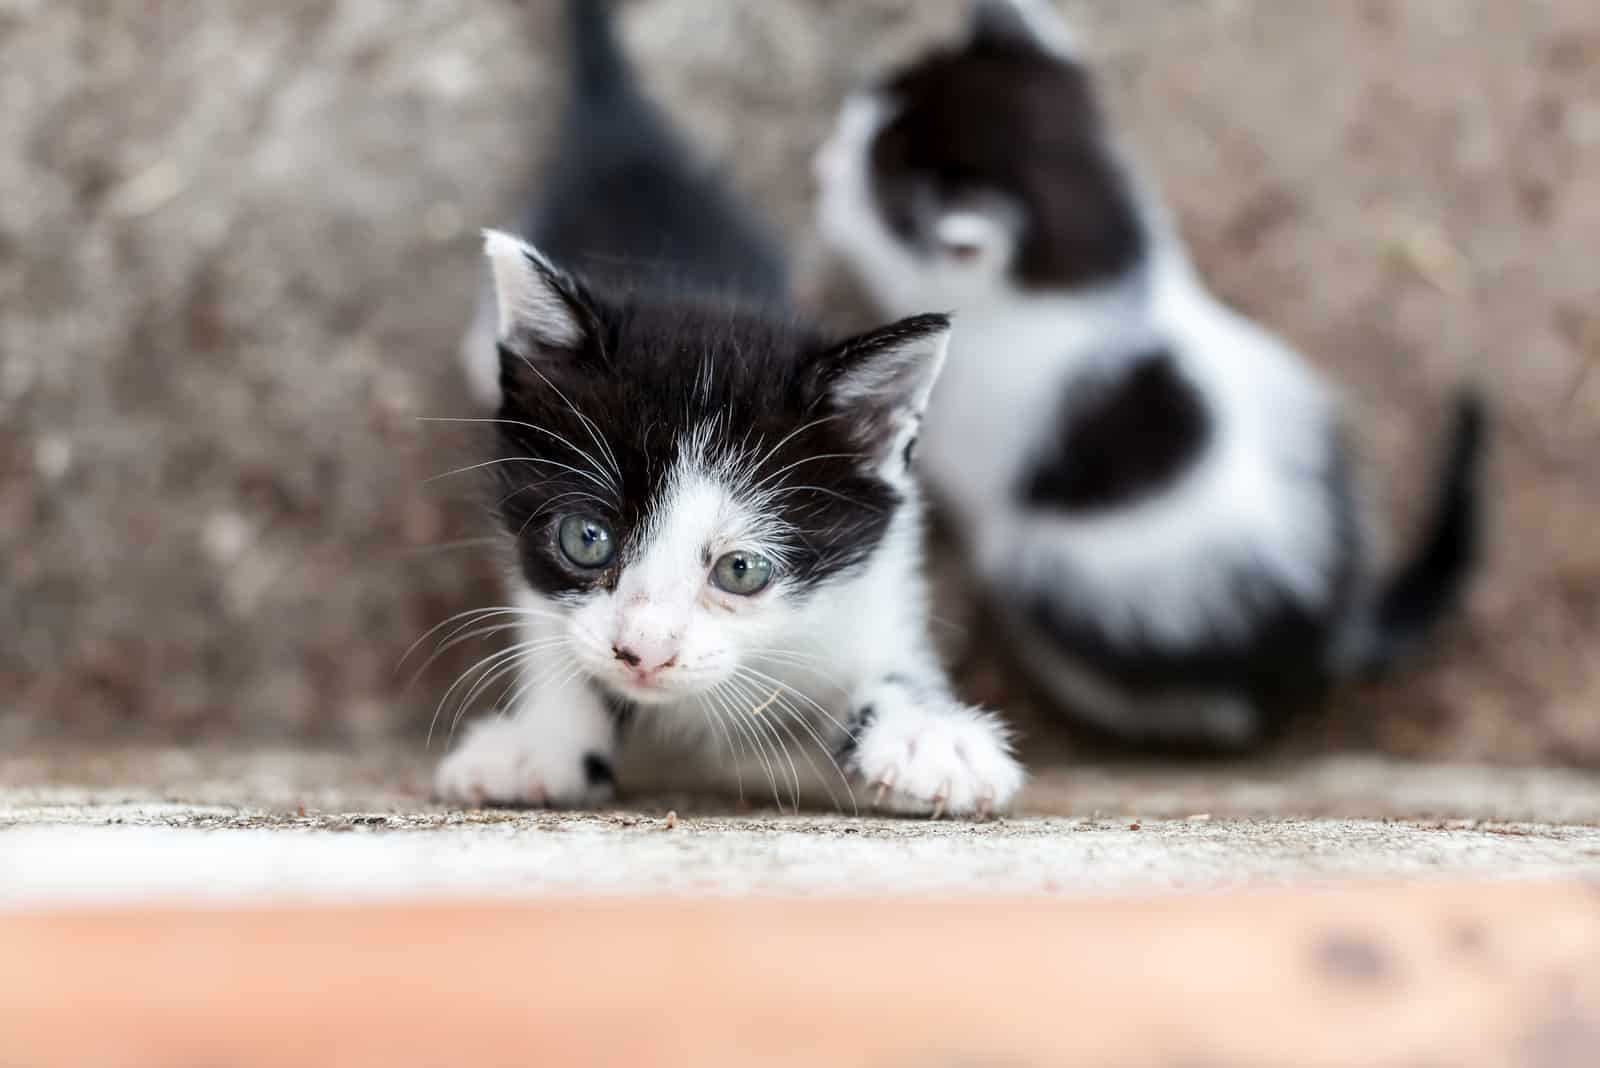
(628, 204)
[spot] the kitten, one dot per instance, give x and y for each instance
(1154, 490)
(716, 530)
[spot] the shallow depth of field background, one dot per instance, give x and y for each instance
(238, 244)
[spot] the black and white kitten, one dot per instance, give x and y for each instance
(717, 535)
(1153, 489)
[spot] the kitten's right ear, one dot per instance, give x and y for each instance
(1032, 23)
(541, 308)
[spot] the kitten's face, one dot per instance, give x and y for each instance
(978, 169)
(683, 481)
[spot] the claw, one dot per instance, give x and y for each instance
(940, 798)
(885, 784)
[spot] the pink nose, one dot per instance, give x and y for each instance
(645, 644)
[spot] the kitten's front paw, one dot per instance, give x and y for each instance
(933, 755)
(501, 762)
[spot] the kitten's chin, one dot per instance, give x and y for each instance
(661, 692)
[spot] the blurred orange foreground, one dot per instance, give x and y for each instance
(1491, 975)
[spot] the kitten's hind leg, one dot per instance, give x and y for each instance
(556, 748)
(917, 749)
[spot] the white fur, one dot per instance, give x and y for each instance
(533, 758)
(1163, 567)
(946, 763)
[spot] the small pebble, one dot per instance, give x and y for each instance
(671, 821)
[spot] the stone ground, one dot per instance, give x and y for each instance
(223, 825)
(237, 247)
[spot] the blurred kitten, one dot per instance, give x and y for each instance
(1154, 490)
(716, 533)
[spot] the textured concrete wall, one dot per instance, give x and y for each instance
(237, 244)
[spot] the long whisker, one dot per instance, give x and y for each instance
(757, 747)
(827, 751)
(492, 661)
(580, 472)
(770, 453)
(807, 460)
(446, 622)
(588, 424)
(457, 638)
(769, 680)
(538, 430)
(784, 491)
(754, 714)
(733, 756)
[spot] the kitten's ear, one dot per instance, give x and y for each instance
(1032, 23)
(541, 308)
(880, 381)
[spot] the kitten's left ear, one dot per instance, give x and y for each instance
(880, 381)
(542, 309)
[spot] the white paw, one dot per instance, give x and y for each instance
(933, 755)
(502, 762)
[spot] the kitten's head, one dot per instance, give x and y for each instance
(683, 480)
(979, 168)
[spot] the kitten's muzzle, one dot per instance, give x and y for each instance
(640, 668)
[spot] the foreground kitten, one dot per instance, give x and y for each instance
(1154, 490)
(716, 531)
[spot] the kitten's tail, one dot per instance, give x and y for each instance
(1429, 585)
(600, 70)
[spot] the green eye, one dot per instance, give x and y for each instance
(586, 542)
(742, 573)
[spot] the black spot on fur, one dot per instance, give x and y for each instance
(1123, 439)
(1277, 660)
(1003, 116)
(1352, 958)
(857, 724)
(597, 770)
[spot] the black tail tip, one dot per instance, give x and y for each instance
(1472, 428)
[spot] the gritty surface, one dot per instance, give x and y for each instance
(237, 247)
(81, 825)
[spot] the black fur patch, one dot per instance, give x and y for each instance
(656, 370)
(1124, 439)
(597, 770)
(858, 722)
(1003, 116)
(1279, 662)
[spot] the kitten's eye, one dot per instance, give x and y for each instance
(742, 573)
(586, 542)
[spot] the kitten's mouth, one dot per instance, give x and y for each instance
(643, 689)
